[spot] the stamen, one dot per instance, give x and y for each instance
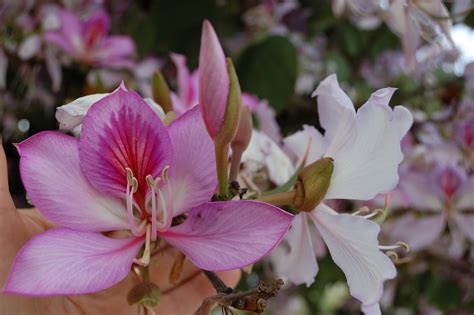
(363, 210)
(375, 212)
(153, 185)
(164, 174)
(132, 186)
(145, 259)
(167, 212)
(392, 255)
(397, 245)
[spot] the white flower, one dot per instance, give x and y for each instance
(365, 146)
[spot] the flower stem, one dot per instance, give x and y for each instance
(217, 283)
(279, 199)
(222, 161)
(235, 164)
(145, 271)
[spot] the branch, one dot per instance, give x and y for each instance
(254, 300)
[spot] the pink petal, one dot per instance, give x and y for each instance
(213, 80)
(121, 131)
(353, 244)
(229, 235)
(193, 176)
(267, 121)
(187, 86)
(295, 258)
(51, 173)
(59, 40)
(114, 50)
(96, 27)
(71, 29)
(62, 261)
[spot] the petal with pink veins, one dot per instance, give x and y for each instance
(62, 261)
(228, 235)
(96, 27)
(51, 173)
(121, 131)
(353, 244)
(193, 175)
(295, 258)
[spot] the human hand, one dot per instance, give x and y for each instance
(17, 226)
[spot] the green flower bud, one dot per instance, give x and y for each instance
(313, 184)
(161, 91)
(146, 294)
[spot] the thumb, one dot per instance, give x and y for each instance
(6, 202)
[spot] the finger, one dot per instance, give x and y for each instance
(6, 202)
(192, 285)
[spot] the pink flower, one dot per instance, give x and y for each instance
(88, 42)
(443, 195)
(365, 147)
(128, 172)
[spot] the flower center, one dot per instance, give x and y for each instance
(160, 207)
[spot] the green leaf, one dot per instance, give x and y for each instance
(268, 69)
(444, 293)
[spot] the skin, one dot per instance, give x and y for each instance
(17, 226)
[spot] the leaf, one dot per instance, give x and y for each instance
(268, 69)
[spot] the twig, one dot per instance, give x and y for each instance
(218, 284)
(254, 300)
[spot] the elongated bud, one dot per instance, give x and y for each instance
(244, 132)
(241, 141)
(161, 91)
(213, 80)
(146, 294)
(313, 183)
(233, 109)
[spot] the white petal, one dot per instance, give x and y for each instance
(156, 108)
(465, 222)
(29, 47)
(294, 258)
(353, 244)
(71, 114)
(417, 232)
(368, 164)
(264, 153)
(372, 309)
(465, 196)
(332, 101)
(299, 142)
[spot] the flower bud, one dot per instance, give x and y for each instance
(233, 111)
(313, 184)
(161, 91)
(244, 133)
(241, 141)
(213, 80)
(146, 294)
(219, 89)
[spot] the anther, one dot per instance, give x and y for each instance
(164, 173)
